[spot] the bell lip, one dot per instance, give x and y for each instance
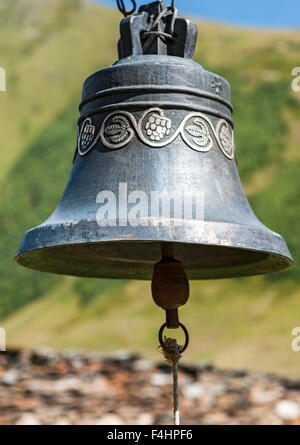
(281, 253)
(192, 275)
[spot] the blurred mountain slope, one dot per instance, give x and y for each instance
(48, 48)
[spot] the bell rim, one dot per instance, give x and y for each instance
(274, 260)
(192, 275)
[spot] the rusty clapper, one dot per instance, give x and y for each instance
(155, 121)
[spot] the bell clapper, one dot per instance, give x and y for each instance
(170, 290)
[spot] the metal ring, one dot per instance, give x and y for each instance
(187, 338)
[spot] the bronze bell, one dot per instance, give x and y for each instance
(154, 172)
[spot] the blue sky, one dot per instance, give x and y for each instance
(257, 13)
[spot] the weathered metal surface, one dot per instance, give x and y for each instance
(156, 123)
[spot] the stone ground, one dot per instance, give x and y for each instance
(50, 388)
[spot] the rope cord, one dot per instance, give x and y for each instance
(151, 32)
(172, 353)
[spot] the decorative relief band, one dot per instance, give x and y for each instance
(156, 130)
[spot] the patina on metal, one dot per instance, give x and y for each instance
(155, 121)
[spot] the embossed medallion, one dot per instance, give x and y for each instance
(87, 137)
(115, 130)
(225, 138)
(157, 127)
(197, 134)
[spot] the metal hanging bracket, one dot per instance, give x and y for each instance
(157, 29)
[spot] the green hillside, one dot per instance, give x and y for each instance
(48, 48)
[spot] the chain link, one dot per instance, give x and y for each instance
(123, 10)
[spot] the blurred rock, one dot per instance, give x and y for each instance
(203, 365)
(143, 365)
(189, 370)
(193, 391)
(145, 419)
(239, 371)
(288, 410)
(261, 393)
(77, 388)
(216, 418)
(160, 379)
(10, 377)
(62, 421)
(28, 419)
(110, 419)
(123, 354)
(291, 384)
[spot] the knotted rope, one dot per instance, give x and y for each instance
(152, 33)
